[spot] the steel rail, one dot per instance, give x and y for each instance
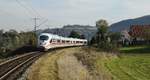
(7, 74)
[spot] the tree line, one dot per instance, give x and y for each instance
(111, 41)
(11, 40)
(103, 39)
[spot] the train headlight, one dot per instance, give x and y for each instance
(44, 43)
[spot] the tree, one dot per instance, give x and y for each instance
(1, 33)
(11, 40)
(146, 34)
(74, 34)
(105, 40)
(140, 32)
(102, 27)
(114, 38)
(82, 37)
(93, 41)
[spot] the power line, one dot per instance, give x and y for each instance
(35, 23)
(26, 8)
(33, 9)
(43, 22)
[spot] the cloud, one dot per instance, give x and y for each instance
(64, 12)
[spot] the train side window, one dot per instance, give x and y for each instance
(67, 41)
(50, 41)
(53, 40)
(77, 41)
(63, 41)
(58, 41)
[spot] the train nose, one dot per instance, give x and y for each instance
(44, 43)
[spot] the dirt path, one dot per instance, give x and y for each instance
(58, 65)
(69, 68)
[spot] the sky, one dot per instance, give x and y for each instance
(19, 14)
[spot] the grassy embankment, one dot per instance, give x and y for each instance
(95, 62)
(133, 64)
(45, 68)
(62, 65)
(59, 65)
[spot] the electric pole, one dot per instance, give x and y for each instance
(35, 23)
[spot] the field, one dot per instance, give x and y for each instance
(133, 66)
(136, 49)
(85, 63)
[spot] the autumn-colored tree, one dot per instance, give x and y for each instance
(140, 31)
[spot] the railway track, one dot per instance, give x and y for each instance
(11, 69)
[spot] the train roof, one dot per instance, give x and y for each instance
(62, 38)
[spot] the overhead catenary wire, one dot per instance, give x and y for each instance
(30, 8)
(43, 22)
(33, 9)
(37, 13)
(26, 8)
(32, 12)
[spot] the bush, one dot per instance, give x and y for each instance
(12, 40)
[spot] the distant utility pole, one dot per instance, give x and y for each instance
(35, 23)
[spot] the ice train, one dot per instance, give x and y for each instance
(48, 41)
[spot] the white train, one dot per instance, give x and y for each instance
(48, 41)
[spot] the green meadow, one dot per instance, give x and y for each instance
(132, 64)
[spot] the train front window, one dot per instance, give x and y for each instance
(43, 37)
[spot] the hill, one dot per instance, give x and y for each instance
(86, 30)
(125, 24)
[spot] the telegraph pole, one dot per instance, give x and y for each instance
(35, 24)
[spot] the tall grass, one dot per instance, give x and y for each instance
(94, 60)
(59, 65)
(45, 68)
(70, 69)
